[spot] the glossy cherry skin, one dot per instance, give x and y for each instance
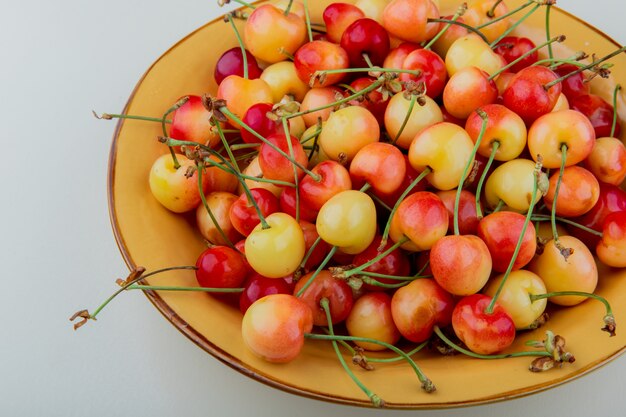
(220, 267)
(395, 263)
(468, 220)
(578, 193)
(598, 111)
(416, 309)
(319, 56)
(231, 63)
(461, 264)
(612, 248)
(433, 70)
(607, 160)
(468, 89)
(171, 187)
(478, 14)
(219, 203)
(527, 96)
(333, 179)
(397, 55)
(503, 126)
(371, 317)
(319, 97)
(574, 85)
(423, 218)
(241, 94)
(244, 216)
(310, 237)
(501, 231)
(408, 19)
(512, 47)
(257, 286)
(374, 101)
(365, 36)
(453, 33)
(324, 285)
(371, 165)
(481, 332)
(192, 122)
(346, 131)
(274, 165)
(287, 200)
(256, 118)
(409, 177)
(337, 17)
(273, 327)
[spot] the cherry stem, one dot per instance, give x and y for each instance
(244, 55)
(499, 206)
(310, 251)
(372, 261)
(109, 116)
(319, 269)
(358, 94)
(307, 19)
(555, 233)
(550, 52)
(241, 123)
(365, 187)
(560, 38)
(464, 351)
(504, 16)
(464, 25)
(509, 268)
(244, 146)
(460, 12)
(494, 150)
(393, 277)
(374, 282)
(189, 289)
(224, 168)
(375, 399)
(470, 162)
(491, 13)
(514, 25)
(383, 360)
(544, 217)
(614, 124)
(427, 384)
(406, 118)
(295, 169)
(406, 192)
(200, 170)
(243, 3)
(367, 59)
(313, 136)
(379, 201)
(288, 8)
(172, 109)
(416, 73)
(586, 67)
(134, 281)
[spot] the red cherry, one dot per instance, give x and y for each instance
(244, 216)
(512, 47)
(365, 36)
(274, 165)
(526, 95)
(257, 286)
(256, 118)
(231, 63)
(432, 67)
(374, 101)
(288, 205)
(220, 267)
(575, 85)
(338, 293)
(310, 237)
(598, 111)
(396, 263)
(337, 17)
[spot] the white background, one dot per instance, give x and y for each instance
(58, 61)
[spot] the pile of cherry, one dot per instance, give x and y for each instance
(398, 172)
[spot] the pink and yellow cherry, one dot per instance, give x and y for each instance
(365, 36)
(287, 202)
(410, 176)
(320, 56)
(501, 232)
(283, 80)
(454, 32)
(269, 34)
(336, 291)
(396, 263)
(231, 63)
(468, 220)
(422, 217)
(483, 333)
(502, 82)
(461, 264)
(217, 179)
(432, 70)
(598, 111)
(551, 131)
(612, 248)
(512, 183)
(254, 170)
(220, 267)
(371, 318)
(374, 101)
(241, 94)
(333, 178)
(420, 306)
(512, 47)
(257, 286)
(276, 166)
(468, 89)
(419, 118)
(578, 193)
(472, 51)
(482, 12)
(319, 97)
(310, 237)
(526, 95)
(244, 217)
(171, 187)
(578, 273)
(408, 19)
(373, 9)
(431, 148)
(561, 103)
(371, 165)
(283, 240)
(192, 122)
(574, 85)
(397, 55)
(607, 160)
(348, 221)
(347, 131)
(515, 296)
(273, 327)
(219, 203)
(337, 17)
(503, 126)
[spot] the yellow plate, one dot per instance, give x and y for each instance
(150, 236)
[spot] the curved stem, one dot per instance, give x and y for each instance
(310, 251)
(244, 55)
(494, 150)
(406, 118)
(391, 277)
(184, 289)
(243, 3)
(374, 282)
(498, 206)
(504, 16)
(172, 109)
(317, 271)
(464, 25)
(586, 67)
(614, 124)
(200, 170)
(555, 233)
(109, 116)
(460, 12)
(609, 311)
(513, 26)
(377, 258)
(544, 217)
(491, 13)
(550, 52)
(295, 169)
(307, 19)
(416, 73)
(523, 56)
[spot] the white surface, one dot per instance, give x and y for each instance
(60, 60)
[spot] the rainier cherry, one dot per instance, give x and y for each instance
(324, 285)
(370, 317)
(612, 248)
(408, 19)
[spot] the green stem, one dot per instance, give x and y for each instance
(406, 118)
(392, 277)
(240, 146)
(376, 283)
(470, 162)
(244, 55)
(464, 25)
(494, 150)
(189, 289)
(458, 14)
(372, 261)
(310, 251)
(295, 169)
(109, 116)
(288, 8)
(614, 124)
(609, 311)
(491, 13)
(313, 136)
(504, 16)
(586, 67)
(544, 217)
(555, 233)
(367, 60)
(379, 201)
(536, 48)
(498, 206)
(416, 73)
(513, 26)
(317, 271)
(243, 3)
(172, 109)
(550, 52)
(307, 19)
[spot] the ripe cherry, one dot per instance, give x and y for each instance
(598, 111)
(513, 47)
(258, 286)
(365, 36)
(526, 95)
(371, 317)
(243, 214)
(336, 291)
(220, 267)
(612, 248)
(231, 63)
(337, 17)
